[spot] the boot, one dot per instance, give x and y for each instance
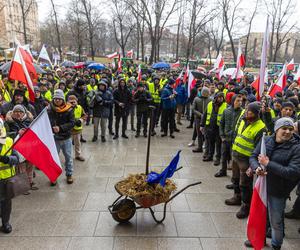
(137, 135)
(6, 228)
(217, 162)
(243, 212)
(70, 179)
(198, 150)
(248, 244)
(234, 201)
(103, 139)
(292, 215)
(276, 247)
(221, 173)
(94, 139)
(230, 186)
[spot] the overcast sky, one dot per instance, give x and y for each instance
(258, 24)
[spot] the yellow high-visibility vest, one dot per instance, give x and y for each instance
(209, 112)
(244, 141)
(6, 170)
(154, 92)
(78, 111)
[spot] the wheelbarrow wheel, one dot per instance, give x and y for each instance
(123, 210)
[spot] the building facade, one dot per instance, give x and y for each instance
(11, 22)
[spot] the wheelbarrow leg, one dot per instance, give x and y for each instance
(164, 214)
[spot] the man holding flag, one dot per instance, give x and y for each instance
(281, 166)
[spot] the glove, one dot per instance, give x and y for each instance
(78, 123)
(4, 159)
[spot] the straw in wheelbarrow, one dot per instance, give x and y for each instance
(136, 185)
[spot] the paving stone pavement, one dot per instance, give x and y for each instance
(76, 216)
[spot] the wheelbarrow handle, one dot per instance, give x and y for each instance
(179, 192)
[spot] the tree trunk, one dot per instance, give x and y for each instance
(57, 31)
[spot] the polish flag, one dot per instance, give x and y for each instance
(119, 64)
(263, 63)
(218, 66)
(176, 65)
(255, 84)
(139, 76)
(113, 55)
(297, 75)
(178, 79)
(22, 70)
(240, 62)
(291, 65)
(186, 74)
(37, 145)
(191, 83)
(280, 84)
(257, 220)
(130, 54)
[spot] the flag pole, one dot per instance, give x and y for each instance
(27, 129)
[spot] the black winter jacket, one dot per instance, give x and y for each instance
(65, 121)
(122, 96)
(143, 100)
(284, 166)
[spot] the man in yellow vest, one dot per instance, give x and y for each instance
(248, 132)
(8, 158)
(210, 126)
(155, 91)
(80, 117)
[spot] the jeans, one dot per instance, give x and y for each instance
(124, 124)
(66, 147)
(102, 122)
(276, 208)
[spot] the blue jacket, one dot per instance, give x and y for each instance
(167, 102)
(181, 97)
(284, 166)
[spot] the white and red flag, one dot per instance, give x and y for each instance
(178, 79)
(139, 76)
(218, 66)
(37, 145)
(240, 62)
(176, 64)
(257, 220)
(119, 63)
(280, 84)
(260, 84)
(191, 83)
(291, 65)
(297, 75)
(113, 55)
(22, 70)
(186, 74)
(130, 54)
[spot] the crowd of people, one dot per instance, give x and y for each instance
(226, 121)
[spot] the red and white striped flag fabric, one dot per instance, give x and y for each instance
(240, 62)
(139, 76)
(113, 55)
(191, 83)
(291, 65)
(176, 64)
(37, 145)
(297, 75)
(22, 70)
(130, 54)
(186, 74)
(263, 63)
(280, 84)
(178, 79)
(119, 63)
(257, 220)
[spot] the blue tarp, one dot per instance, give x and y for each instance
(96, 66)
(161, 65)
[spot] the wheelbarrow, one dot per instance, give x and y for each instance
(123, 209)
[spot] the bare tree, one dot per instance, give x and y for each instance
(217, 29)
(25, 6)
(280, 13)
(230, 12)
(77, 27)
(250, 27)
(92, 18)
(122, 23)
(199, 17)
(56, 28)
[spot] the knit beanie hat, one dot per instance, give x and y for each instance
(254, 107)
(59, 94)
(205, 92)
(19, 107)
(283, 122)
(288, 104)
